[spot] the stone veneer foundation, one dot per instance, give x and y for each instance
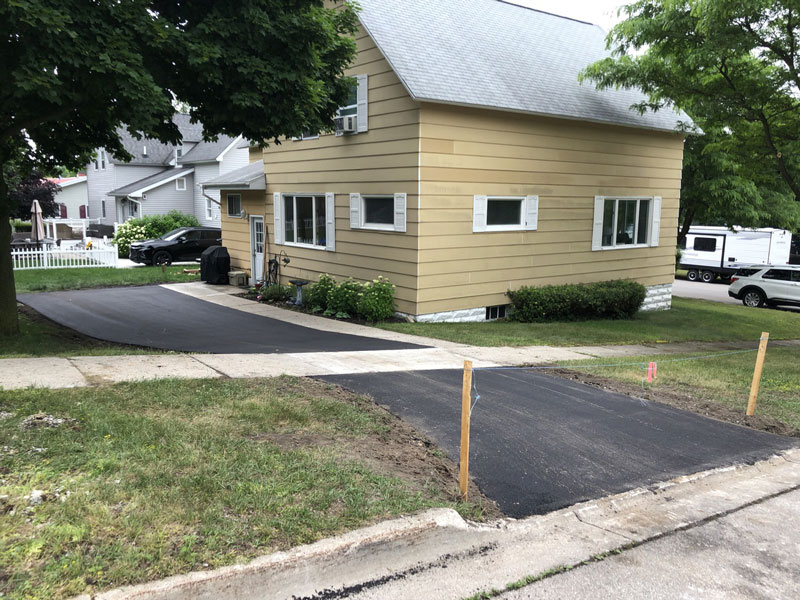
(659, 297)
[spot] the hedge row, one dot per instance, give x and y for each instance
(577, 302)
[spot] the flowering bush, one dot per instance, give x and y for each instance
(316, 294)
(376, 301)
(343, 299)
(127, 233)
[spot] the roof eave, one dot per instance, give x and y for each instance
(549, 115)
(137, 193)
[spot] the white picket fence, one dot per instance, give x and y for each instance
(64, 258)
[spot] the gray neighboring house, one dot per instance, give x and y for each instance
(162, 177)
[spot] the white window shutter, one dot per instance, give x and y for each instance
(531, 213)
(277, 208)
(597, 230)
(655, 221)
(355, 211)
(400, 212)
(362, 119)
(480, 205)
(330, 222)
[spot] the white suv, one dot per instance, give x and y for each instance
(766, 284)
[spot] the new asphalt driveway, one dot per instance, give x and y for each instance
(156, 317)
(540, 442)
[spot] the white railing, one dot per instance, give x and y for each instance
(64, 258)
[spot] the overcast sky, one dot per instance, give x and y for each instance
(600, 12)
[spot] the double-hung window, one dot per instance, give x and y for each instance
(180, 184)
(505, 213)
(209, 209)
(356, 105)
(305, 220)
(234, 205)
(625, 222)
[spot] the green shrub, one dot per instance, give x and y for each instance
(343, 299)
(20, 226)
(149, 227)
(577, 302)
(315, 295)
(376, 302)
(275, 293)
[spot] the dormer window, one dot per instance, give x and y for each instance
(178, 151)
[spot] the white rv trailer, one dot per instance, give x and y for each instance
(709, 252)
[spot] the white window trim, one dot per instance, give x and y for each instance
(178, 186)
(303, 137)
(653, 223)
(528, 217)
(399, 212)
(317, 197)
(210, 209)
(228, 205)
(375, 226)
(361, 105)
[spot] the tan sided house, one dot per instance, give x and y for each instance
(470, 161)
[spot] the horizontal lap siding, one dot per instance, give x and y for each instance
(236, 231)
(384, 160)
(469, 151)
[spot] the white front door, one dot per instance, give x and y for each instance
(257, 248)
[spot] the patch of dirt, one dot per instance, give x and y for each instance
(40, 420)
(683, 400)
(400, 452)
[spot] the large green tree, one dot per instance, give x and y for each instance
(719, 186)
(733, 65)
(75, 71)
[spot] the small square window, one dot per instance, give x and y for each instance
(495, 312)
(234, 205)
(504, 212)
(180, 184)
(378, 211)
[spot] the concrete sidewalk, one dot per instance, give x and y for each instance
(438, 555)
(82, 371)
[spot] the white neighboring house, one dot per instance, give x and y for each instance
(161, 177)
(72, 196)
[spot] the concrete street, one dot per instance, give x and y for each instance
(750, 553)
(716, 292)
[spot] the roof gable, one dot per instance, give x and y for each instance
(498, 55)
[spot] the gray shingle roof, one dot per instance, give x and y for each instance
(207, 151)
(494, 54)
(157, 152)
(161, 176)
(251, 177)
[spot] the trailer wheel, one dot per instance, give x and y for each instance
(692, 275)
(707, 276)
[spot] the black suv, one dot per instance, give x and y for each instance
(185, 243)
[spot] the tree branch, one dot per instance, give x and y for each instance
(16, 128)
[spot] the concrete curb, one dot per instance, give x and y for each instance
(437, 554)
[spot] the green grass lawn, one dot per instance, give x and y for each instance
(40, 337)
(153, 479)
(689, 320)
(51, 280)
(722, 379)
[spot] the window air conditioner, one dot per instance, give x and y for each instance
(345, 124)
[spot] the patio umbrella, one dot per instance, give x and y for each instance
(37, 224)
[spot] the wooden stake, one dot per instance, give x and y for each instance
(466, 397)
(762, 350)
